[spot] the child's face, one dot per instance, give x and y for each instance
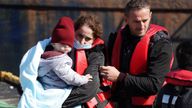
(61, 47)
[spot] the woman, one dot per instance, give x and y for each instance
(88, 47)
(87, 56)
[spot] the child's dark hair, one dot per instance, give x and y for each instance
(184, 54)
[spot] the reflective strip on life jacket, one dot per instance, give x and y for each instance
(102, 96)
(138, 61)
(92, 103)
(179, 78)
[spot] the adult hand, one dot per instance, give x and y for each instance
(109, 72)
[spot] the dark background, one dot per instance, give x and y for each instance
(24, 22)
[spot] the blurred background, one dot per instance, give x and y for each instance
(24, 22)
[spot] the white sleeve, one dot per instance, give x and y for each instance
(68, 75)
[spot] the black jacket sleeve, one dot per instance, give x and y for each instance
(84, 93)
(159, 60)
(110, 44)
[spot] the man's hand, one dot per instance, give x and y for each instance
(109, 72)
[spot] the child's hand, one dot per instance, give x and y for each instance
(89, 77)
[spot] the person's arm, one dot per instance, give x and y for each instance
(158, 65)
(69, 76)
(110, 44)
(84, 93)
(159, 60)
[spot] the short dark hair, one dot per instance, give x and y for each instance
(92, 21)
(184, 54)
(136, 4)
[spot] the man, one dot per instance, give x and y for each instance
(141, 55)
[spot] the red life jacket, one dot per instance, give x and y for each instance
(179, 78)
(81, 65)
(138, 63)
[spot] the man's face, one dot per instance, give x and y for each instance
(138, 21)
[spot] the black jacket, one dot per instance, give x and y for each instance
(149, 83)
(80, 95)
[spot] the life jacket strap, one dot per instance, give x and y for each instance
(102, 99)
(81, 62)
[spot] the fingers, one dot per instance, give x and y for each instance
(104, 70)
(103, 73)
(109, 72)
(104, 67)
(107, 77)
(90, 78)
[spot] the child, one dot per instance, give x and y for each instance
(55, 66)
(45, 71)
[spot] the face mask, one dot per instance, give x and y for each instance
(77, 45)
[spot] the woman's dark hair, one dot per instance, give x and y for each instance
(92, 22)
(184, 54)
